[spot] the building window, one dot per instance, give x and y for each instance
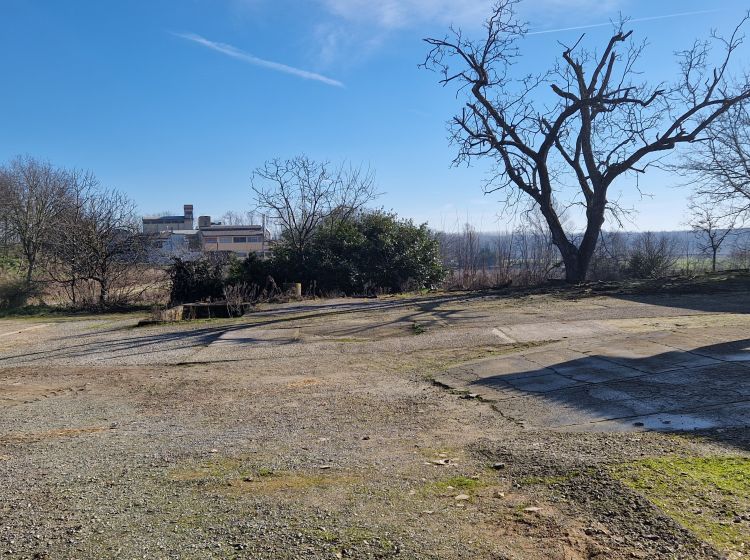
(240, 240)
(255, 239)
(225, 239)
(208, 240)
(242, 254)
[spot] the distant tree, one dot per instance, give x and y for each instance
(32, 199)
(468, 254)
(300, 194)
(101, 241)
(714, 223)
(611, 256)
(232, 218)
(652, 256)
(597, 121)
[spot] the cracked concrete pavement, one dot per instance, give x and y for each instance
(678, 373)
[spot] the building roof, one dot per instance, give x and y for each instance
(164, 219)
(229, 228)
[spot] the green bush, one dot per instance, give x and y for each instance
(373, 252)
(252, 271)
(198, 280)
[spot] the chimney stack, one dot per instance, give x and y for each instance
(188, 216)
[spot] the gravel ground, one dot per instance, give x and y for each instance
(314, 431)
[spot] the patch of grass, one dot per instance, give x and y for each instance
(238, 477)
(452, 486)
(417, 328)
(217, 468)
(708, 495)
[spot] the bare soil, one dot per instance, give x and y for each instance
(314, 430)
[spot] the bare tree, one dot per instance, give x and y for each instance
(32, 198)
(714, 223)
(232, 218)
(719, 166)
(65, 258)
(599, 122)
(99, 247)
(109, 235)
(654, 255)
(300, 194)
(610, 257)
(538, 256)
(467, 254)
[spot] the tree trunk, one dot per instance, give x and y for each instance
(577, 259)
(575, 270)
(103, 289)
(713, 260)
(29, 272)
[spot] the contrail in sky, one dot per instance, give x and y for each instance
(651, 18)
(239, 54)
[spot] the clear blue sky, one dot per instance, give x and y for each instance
(163, 100)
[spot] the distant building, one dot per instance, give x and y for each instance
(240, 240)
(170, 223)
(174, 236)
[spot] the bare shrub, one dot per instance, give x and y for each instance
(240, 297)
(610, 259)
(653, 256)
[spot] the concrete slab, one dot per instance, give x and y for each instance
(558, 330)
(619, 381)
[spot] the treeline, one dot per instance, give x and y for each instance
(60, 228)
(528, 256)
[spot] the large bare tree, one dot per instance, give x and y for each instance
(562, 138)
(300, 194)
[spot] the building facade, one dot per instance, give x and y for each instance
(161, 224)
(174, 236)
(240, 240)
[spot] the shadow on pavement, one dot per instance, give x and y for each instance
(707, 388)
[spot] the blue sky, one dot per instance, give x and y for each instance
(164, 100)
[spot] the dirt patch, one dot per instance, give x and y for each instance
(23, 393)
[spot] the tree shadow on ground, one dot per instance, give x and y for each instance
(184, 336)
(703, 390)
